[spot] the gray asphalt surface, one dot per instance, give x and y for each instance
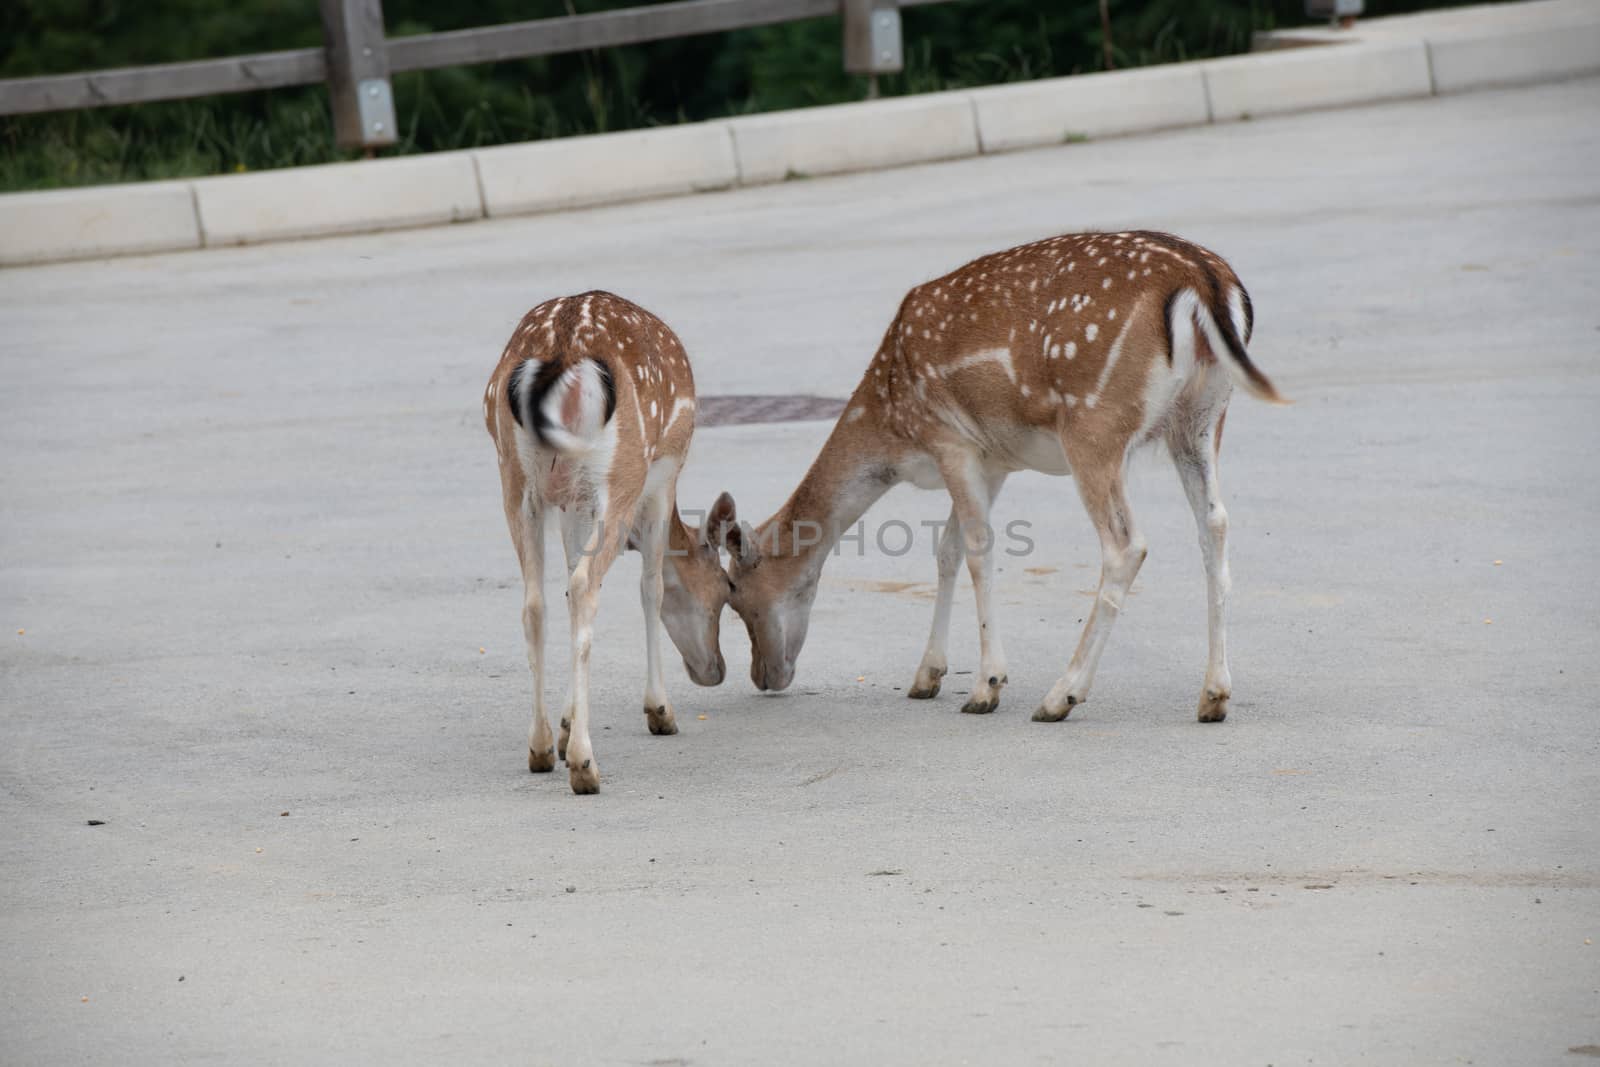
(250, 523)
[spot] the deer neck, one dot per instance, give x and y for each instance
(855, 467)
(681, 540)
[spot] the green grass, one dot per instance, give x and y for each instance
(183, 139)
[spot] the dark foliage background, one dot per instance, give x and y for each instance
(948, 46)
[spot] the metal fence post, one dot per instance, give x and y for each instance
(872, 38)
(358, 73)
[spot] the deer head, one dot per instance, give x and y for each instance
(694, 590)
(770, 588)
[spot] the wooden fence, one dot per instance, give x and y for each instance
(357, 58)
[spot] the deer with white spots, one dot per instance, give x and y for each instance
(1061, 356)
(591, 408)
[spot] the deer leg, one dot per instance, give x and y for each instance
(934, 663)
(605, 542)
(1195, 456)
(652, 543)
(1122, 552)
(576, 523)
(527, 533)
(972, 491)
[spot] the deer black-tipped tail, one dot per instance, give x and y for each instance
(565, 407)
(1225, 320)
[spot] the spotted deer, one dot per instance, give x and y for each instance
(1061, 356)
(591, 408)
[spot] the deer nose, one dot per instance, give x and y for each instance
(707, 674)
(770, 678)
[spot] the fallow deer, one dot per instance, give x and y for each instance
(591, 408)
(1060, 356)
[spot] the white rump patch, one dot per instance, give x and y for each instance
(1181, 327)
(1236, 312)
(574, 410)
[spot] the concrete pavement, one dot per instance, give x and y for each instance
(249, 524)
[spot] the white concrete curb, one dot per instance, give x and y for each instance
(338, 198)
(846, 137)
(1544, 53)
(105, 220)
(1306, 78)
(1057, 110)
(1384, 59)
(578, 171)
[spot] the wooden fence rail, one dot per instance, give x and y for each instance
(357, 58)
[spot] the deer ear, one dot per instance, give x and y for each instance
(743, 544)
(724, 531)
(723, 511)
(722, 526)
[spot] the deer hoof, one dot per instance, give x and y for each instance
(541, 762)
(1213, 706)
(661, 721)
(1048, 714)
(981, 706)
(925, 686)
(585, 777)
